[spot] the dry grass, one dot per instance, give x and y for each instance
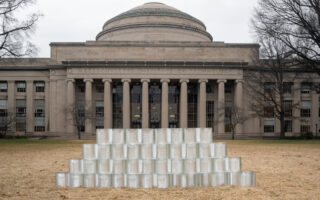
(285, 170)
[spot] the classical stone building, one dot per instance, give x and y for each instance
(150, 67)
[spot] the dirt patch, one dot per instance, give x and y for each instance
(284, 171)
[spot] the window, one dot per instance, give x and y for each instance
(305, 109)
(100, 88)
(228, 88)
(3, 86)
(305, 126)
(80, 115)
(268, 87)
(210, 114)
(40, 86)
(288, 108)
(99, 114)
(20, 114)
(173, 113)
(287, 87)
(268, 125)
(81, 88)
(39, 115)
(192, 105)
(209, 89)
(268, 109)
(3, 113)
(228, 116)
(136, 102)
(21, 86)
(305, 88)
(155, 105)
(288, 125)
(117, 105)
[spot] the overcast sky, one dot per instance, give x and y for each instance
(82, 20)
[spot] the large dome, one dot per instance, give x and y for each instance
(154, 22)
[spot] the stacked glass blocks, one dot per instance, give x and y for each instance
(155, 158)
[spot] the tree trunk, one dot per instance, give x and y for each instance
(282, 126)
(232, 133)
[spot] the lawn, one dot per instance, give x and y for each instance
(286, 169)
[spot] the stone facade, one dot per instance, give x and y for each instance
(151, 67)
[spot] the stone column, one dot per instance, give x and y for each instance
(183, 103)
(12, 101)
(47, 104)
(30, 109)
(238, 104)
(70, 106)
(296, 109)
(314, 112)
(53, 106)
(107, 103)
(202, 104)
(221, 106)
(145, 103)
(88, 107)
(126, 103)
(164, 103)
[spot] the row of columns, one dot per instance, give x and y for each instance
(145, 103)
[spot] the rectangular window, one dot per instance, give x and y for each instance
(288, 108)
(3, 114)
(268, 110)
(210, 114)
(99, 114)
(117, 105)
(81, 88)
(268, 125)
(21, 86)
(20, 115)
(209, 89)
(99, 88)
(3, 86)
(287, 87)
(228, 88)
(39, 115)
(192, 105)
(40, 86)
(305, 88)
(305, 107)
(268, 87)
(228, 116)
(305, 126)
(288, 125)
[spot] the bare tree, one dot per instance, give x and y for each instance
(268, 83)
(15, 31)
(7, 121)
(234, 116)
(296, 23)
(79, 115)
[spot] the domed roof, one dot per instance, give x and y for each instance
(154, 22)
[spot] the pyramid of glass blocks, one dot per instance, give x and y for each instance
(155, 158)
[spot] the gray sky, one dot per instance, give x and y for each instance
(82, 20)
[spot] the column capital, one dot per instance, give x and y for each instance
(184, 80)
(29, 81)
(106, 80)
(88, 80)
(11, 81)
(126, 80)
(70, 80)
(203, 80)
(221, 81)
(145, 80)
(165, 80)
(239, 81)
